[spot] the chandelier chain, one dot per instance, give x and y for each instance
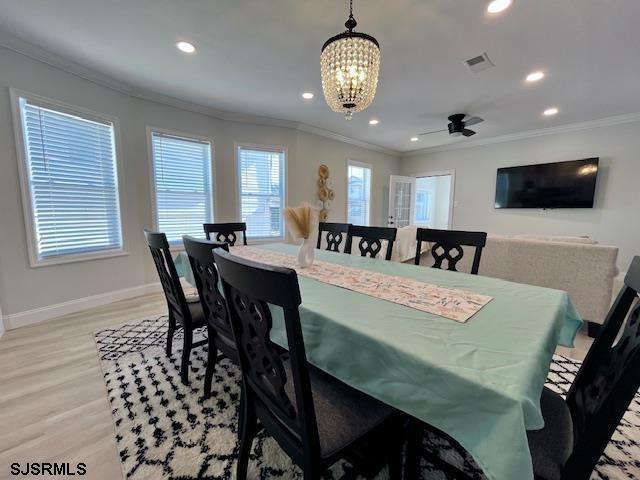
(349, 66)
(351, 22)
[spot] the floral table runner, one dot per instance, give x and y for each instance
(458, 305)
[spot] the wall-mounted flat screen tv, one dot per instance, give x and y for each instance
(548, 185)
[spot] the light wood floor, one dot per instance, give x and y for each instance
(53, 401)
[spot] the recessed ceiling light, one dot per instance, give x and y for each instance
(535, 76)
(414, 139)
(550, 111)
(307, 95)
(186, 47)
(373, 121)
(497, 6)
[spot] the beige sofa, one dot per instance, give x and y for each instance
(575, 264)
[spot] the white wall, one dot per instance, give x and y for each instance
(613, 221)
(442, 198)
(25, 288)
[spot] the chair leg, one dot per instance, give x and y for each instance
(248, 431)
(395, 455)
(170, 332)
(186, 354)
(414, 447)
(242, 413)
(212, 356)
(312, 473)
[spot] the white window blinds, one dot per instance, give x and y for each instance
(359, 194)
(73, 182)
(261, 191)
(183, 185)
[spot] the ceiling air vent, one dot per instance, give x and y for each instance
(479, 63)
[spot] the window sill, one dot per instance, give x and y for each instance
(75, 258)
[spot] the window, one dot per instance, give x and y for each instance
(359, 193)
(70, 182)
(261, 187)
(182, 184)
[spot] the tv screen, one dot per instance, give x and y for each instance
(548, 185)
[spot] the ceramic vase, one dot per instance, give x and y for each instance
(306, 253)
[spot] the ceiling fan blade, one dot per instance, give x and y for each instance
(472, 121)
(468, 133)
(435, 131)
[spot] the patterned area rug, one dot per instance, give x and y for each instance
(167, 430)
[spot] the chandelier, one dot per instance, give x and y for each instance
(349, 65)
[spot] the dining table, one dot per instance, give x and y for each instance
(478, 380)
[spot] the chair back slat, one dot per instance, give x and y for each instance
(447, 245)
(608, 379)
(252, 290)
(207, 281)
(169, 279)
(226, 232)
(371, 240)
(334, 234)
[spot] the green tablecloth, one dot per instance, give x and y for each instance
(480, 382)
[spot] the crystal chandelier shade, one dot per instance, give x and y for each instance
(349, 66)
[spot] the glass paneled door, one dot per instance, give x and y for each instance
(402, 200)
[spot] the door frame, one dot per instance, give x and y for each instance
(452, 193)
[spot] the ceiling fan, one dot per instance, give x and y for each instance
(458, 125)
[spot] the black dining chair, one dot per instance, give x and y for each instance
(371, 240)
(219, 333)
(314, 417)
(226, 232)
(577, 430)
(447, 245)
(334, 233)
(184, 312)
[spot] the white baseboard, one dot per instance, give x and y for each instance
(37, 315)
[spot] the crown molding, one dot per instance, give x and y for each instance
(22, 47)
(303, 127)
(567, 128)
(16, 44)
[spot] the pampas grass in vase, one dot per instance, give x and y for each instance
(302, 222)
